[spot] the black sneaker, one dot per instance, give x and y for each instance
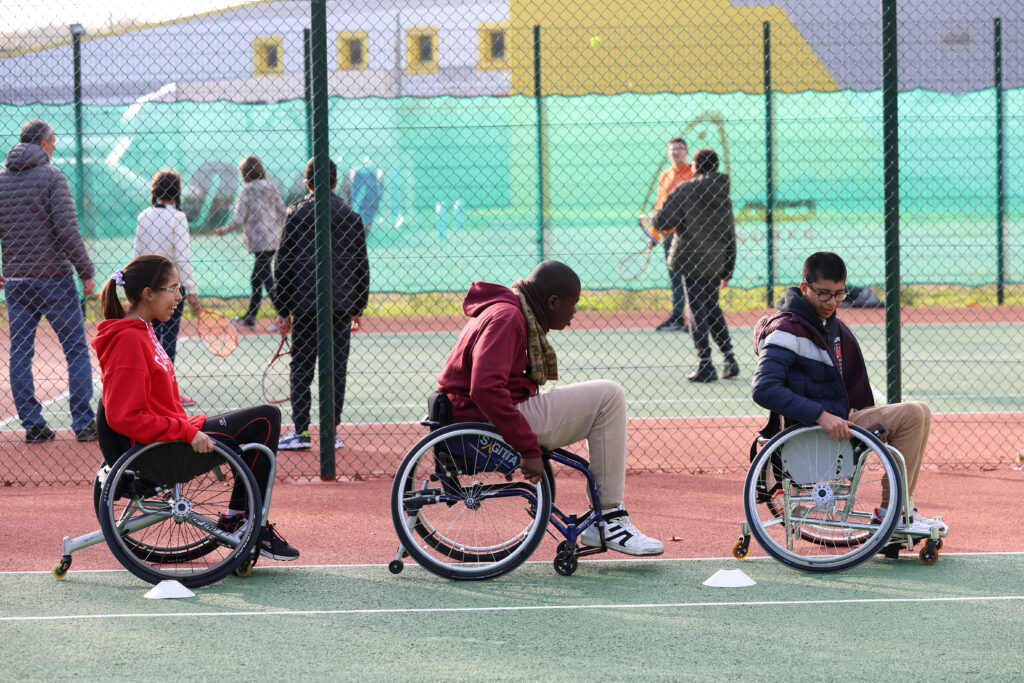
(672, 325)
(87, 433)
(39, 434)
(703, 373)
(730, 369)
(273, 546)
(245, 320)
(231, 523)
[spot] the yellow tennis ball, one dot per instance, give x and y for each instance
(595, 41)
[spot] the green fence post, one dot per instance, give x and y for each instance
(307, 94)
(769, 166)
(891, 161)
(1000, 170)
(76, 56)
(322, 198)
(541, 177)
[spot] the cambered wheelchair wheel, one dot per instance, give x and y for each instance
(159, 508)
(811, 501)
(460, 509)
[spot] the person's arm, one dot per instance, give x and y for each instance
(240, 215)
(65, 227)
(492, 356)
(284, 266)
(771, 390)
(126, 388)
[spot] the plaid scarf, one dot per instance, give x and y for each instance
(543, 364)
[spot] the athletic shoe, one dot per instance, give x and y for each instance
(918, 522)
(244, 320)
(271, 545)
(338, 443)
(87, 433)
(273, 328)
(620, 534)
(705, 372)
(39, 434)
(231, 523)
(186, 402)
(294, 442)
(730, 369)
(672, 325)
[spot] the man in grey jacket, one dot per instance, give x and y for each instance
(704, 251)
(42, 249)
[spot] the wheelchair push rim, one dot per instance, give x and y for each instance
(159, 508)
(461, 514)
(811, 501)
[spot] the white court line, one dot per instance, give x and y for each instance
(516, 608)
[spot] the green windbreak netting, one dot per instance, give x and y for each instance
(460, 179)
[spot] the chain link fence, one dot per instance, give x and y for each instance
(475, 139)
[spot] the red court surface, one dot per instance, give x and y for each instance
(349, 522)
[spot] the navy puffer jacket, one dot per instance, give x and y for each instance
(797, 373)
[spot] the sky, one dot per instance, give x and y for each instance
(16, 15)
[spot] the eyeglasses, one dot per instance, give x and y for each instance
(825, 297)
(174, 289)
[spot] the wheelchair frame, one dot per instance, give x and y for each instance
(471, 563)
(877, 536)
(180, 509)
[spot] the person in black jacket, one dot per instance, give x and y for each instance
(295, 292)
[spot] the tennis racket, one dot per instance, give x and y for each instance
(217, 332)
(633, 265)
(276, 387)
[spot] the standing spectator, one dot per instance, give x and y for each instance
(261, 212)
(704, 251)
(295, 299)
(42, 249)
(163, 229)
(365, 187)
(670, 179)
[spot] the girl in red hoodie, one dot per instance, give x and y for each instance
(140, 391)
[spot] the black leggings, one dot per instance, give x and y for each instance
(262, 278)
(259, 424)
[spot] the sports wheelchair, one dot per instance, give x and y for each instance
(158, 506)
(822, 505)
(460, 513)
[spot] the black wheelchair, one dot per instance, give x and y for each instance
(459, 511)
(822, 505)
(158, 506)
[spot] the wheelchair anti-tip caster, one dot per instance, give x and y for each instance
(566, 563)
(742, 548)
(396, 566)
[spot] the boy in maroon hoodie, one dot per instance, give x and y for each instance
(140, 391)
(494, 373)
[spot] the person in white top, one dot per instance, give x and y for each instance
(163, 229)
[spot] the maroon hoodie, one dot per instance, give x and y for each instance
(485, 375)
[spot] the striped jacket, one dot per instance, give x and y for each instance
(799, 359)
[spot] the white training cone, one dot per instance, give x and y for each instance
(730, 578)
(169, 589)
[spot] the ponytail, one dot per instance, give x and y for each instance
(148, 270)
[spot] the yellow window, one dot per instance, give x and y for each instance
(421, 50)
(353, 50)
(267, 55)
(492, 45)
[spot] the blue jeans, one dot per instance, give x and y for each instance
(167, 332)
(28, 299)
(675, 279)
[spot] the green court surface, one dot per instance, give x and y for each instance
(612, 620)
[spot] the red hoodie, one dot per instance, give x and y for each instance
(140, 391)
(485, 375)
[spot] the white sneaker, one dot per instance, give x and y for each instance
(918, 522)
(338, 443)
(294, 442)
(620, 534)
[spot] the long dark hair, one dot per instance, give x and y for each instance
(148, 270)
(166, 184)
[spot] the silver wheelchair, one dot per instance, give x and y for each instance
(822, 505)
(158, 507)
(460, 510)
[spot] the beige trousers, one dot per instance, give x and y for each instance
(906, 429)
(595, 411)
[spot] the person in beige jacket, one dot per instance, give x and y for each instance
(260, 211)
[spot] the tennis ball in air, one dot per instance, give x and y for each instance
(595, 41)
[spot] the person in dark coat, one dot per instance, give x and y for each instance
(704, 251)
(295, 295)
(42, 250)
